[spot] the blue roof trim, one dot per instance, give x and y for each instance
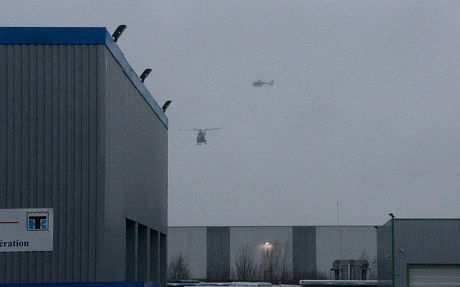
(53, 35)
(79, 36)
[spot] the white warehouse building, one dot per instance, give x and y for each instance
(276, 253)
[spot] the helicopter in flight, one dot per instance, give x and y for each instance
(201, 137)
(260, 83)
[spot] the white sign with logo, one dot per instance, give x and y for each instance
(26, 229)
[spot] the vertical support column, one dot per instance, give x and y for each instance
(4, 164)
(154, 256)
(163, 260)
(393, 262)
(147, 255)
(142, 259)
(131, 250)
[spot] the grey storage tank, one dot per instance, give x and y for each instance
(81, 134)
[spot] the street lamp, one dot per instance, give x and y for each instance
(266, 260)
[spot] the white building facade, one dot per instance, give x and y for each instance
(275, 253)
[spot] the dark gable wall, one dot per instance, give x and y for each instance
(218, 253)
(136, 154)
(303, 251)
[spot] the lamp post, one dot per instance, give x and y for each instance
(266, 260)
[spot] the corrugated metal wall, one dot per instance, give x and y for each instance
(384, 256)
(77, 136)
(137, 148)
(49, 154)
(136, 175)
(429, 241)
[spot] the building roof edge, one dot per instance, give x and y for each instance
(80, 36)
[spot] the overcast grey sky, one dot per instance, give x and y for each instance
(364, 111)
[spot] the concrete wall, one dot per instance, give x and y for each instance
(312, 249)
(256, 237)
(358, 242)
(191, 243)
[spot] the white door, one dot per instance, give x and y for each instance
(434, 276)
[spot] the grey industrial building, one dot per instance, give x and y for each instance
(303, 252)
(402, 252)
(419, 252)
(81, 134)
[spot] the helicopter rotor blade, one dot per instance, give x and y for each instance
(212, 129)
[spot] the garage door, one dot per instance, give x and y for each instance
(434, 275)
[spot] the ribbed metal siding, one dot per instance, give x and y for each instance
(49, 154)
(163, 260)
(384, 253)
(135, 177)
(136, 154)
(425, 242)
